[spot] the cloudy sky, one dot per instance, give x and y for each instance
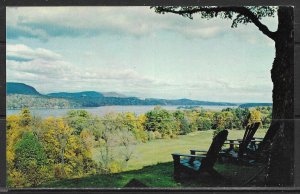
(134, 51)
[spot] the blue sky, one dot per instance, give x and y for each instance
(134, 51)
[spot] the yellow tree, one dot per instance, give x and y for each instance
(64, 149)
(255, 116)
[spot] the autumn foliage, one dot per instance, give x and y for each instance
(81, 144)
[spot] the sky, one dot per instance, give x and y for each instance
(137, 52)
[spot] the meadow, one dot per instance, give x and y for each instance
(152, 165)
(160, 150)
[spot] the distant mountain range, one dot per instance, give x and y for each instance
(20, 95)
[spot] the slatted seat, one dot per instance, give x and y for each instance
(195, 164)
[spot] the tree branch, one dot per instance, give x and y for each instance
(240, 10)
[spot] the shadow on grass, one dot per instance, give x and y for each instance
(158, 176)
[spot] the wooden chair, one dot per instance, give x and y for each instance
(246, 145)
(194, 165)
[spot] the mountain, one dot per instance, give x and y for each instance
(21, 95)
(20, 88)
(85, 94)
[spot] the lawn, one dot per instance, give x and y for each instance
(152, 165)
(160, 150)
(161, 176)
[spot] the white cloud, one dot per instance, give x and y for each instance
(46, 69)
(54, 76)
(23, 51)
(44, 22)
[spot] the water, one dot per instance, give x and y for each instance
(101, 111)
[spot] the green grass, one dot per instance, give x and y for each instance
(160, 150)
(152, 165)
(160, 176)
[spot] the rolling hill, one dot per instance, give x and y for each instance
(21, 95)
(20, 88)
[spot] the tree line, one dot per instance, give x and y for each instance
(81, 144)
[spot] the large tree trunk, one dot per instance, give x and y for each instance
(279, 139)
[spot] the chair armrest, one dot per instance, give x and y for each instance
(232, 140)
(188, 155)
(256, 140)
(261, 138)
(199, 150)
(228, 143)
(252, 140)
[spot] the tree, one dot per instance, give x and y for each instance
(133, 124)
(25, 117)
(204, 123)
(255, 116)
(182, 122)
(279, 139)
(162, 121)
(242, 116)
(127, 142)
(31, 160)
(64, 149)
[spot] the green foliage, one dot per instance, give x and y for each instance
(204, 123)
(29, 149)
(182, 122)
(134, 124)
(242, 115)
(31, 160)
(81, 119)
(162, 121)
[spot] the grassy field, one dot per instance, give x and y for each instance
(152, 165)
(160, 150)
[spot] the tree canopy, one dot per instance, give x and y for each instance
(238, 15)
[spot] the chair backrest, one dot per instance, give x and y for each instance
(248, 136)
(214, 149)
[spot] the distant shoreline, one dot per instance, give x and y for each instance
(178, 106)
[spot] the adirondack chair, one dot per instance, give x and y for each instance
(246, 145)
(197, 164)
